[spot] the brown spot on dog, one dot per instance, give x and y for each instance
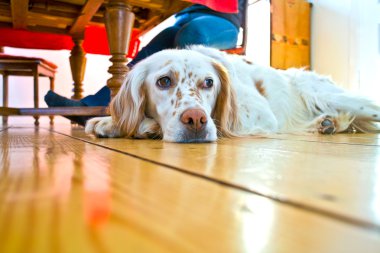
(179, 94)
(174, 113)
(260, 87)
(194, 93)
(176, 75)
(183, 80)
(177, 104)
(172, 102)
(190, 74)
(375, 115)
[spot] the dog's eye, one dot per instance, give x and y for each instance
(164, 82)
(208, 83)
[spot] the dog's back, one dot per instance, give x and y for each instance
(296, 100)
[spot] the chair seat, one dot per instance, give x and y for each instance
(8, 57)
(237, 50)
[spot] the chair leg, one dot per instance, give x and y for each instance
(5, 96)
(52, 89)
(35, 93)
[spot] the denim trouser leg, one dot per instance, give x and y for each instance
(207, 30)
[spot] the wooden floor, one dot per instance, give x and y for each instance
(62, 191)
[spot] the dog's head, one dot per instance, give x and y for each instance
(179, 95)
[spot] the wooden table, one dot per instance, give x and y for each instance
(71, 17)
(26, 66)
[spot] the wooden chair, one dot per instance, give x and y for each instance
(11, 65)
(241, 49)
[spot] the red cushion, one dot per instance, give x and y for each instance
(17, 57)
(95, 40)
(229, 6)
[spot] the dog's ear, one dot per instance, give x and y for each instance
(225, 111)
(128, 106)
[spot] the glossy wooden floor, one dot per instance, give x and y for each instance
(62, 191)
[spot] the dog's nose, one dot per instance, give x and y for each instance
(194, 119)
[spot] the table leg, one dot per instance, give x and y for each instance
(5, 95)
(35, 94)
(119, 23)
(78, 66)
(52, 89)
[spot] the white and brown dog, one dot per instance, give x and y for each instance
(200, 94)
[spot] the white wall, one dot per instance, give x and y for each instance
(346, 45)
(258, 46)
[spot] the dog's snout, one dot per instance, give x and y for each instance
(194, 119)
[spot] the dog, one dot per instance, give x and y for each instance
(199, 94)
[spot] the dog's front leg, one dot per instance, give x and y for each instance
(102, 127)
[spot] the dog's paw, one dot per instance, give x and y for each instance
(101, 127)
(327, 125)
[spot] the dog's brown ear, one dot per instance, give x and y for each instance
(225, 111)
(128, 106)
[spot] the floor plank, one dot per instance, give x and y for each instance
(59, 194)
(339, 177)
(352, 139)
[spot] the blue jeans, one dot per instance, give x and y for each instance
(189, 29)
(192, 29)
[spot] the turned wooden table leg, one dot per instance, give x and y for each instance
(78, 66)
(52, 89)
(119, 23)
(5, 95)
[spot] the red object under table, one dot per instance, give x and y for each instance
(229, 6)
(95, 40)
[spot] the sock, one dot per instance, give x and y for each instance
(52, 99)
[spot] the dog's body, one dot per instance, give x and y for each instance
(198, 94)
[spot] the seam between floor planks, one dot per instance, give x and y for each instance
(313, 209)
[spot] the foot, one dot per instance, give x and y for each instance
(326, 125)
(52, 99)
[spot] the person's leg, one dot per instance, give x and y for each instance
(208, 30)
(101, 98)
(163, 40)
